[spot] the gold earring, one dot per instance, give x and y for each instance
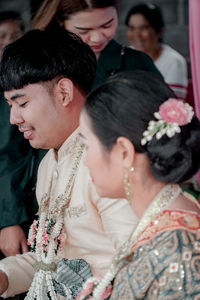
(128, 183)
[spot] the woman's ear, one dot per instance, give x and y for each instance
(65, 89)
(127, 151)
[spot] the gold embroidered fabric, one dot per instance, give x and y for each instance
(166, 265)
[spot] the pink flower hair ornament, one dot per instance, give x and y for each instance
(172, 114)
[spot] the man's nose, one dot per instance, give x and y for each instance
(15, 116)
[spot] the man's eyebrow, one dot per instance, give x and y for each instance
(88, 28)
(14, 97)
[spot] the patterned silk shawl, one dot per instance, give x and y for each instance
(165, 263)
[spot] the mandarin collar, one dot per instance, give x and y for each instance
(68, 148)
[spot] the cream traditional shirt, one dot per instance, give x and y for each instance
(95, 227)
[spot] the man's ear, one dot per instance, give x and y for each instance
(127, 151)
(65, 89)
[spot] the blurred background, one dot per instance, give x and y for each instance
(175, 14)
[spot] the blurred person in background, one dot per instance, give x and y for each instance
(11, 27)
(145, 28)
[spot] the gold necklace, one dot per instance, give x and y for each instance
(162, 200)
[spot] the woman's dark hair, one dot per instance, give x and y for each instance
(41, 56)
(124, 105)
(13, 16)
(54, 12)
(151, 12)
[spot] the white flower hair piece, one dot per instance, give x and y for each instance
(172, 114)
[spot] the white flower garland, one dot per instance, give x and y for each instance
(46, 237)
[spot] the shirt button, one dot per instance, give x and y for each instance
(55, 174)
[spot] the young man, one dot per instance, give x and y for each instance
(18, 168)
(46, 76)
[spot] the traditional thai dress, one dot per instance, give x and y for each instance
(165, 260)
(160, 260)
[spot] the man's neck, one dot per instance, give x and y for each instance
(56, 150)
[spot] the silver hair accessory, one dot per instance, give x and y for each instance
(172, 114)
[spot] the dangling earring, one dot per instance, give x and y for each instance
(128, 183)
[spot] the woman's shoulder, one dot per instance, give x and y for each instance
(114, 48)
(138, 60)
(170, 222)
(132, 52)
(171, 242)
(117, 48)
(170, 53)
(116, 57)
(161, 266)
(178, 239)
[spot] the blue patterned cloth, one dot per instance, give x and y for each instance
(71, 275)
(166, 266)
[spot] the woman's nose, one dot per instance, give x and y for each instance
(96, 36)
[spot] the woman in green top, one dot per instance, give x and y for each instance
(95, 21)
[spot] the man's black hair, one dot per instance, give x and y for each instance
(40, 56)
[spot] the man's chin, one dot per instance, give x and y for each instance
(37, 145)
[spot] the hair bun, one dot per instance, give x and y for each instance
(176, 159)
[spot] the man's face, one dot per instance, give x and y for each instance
(9, 32)
(38, 115)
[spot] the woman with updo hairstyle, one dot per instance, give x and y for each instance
(142, 143)
(145, 30)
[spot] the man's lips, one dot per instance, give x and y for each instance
(27, 132)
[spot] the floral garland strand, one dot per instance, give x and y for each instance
(89, 286)
(46, 237)
(95, 289)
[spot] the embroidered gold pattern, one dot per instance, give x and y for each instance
(76, 211)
